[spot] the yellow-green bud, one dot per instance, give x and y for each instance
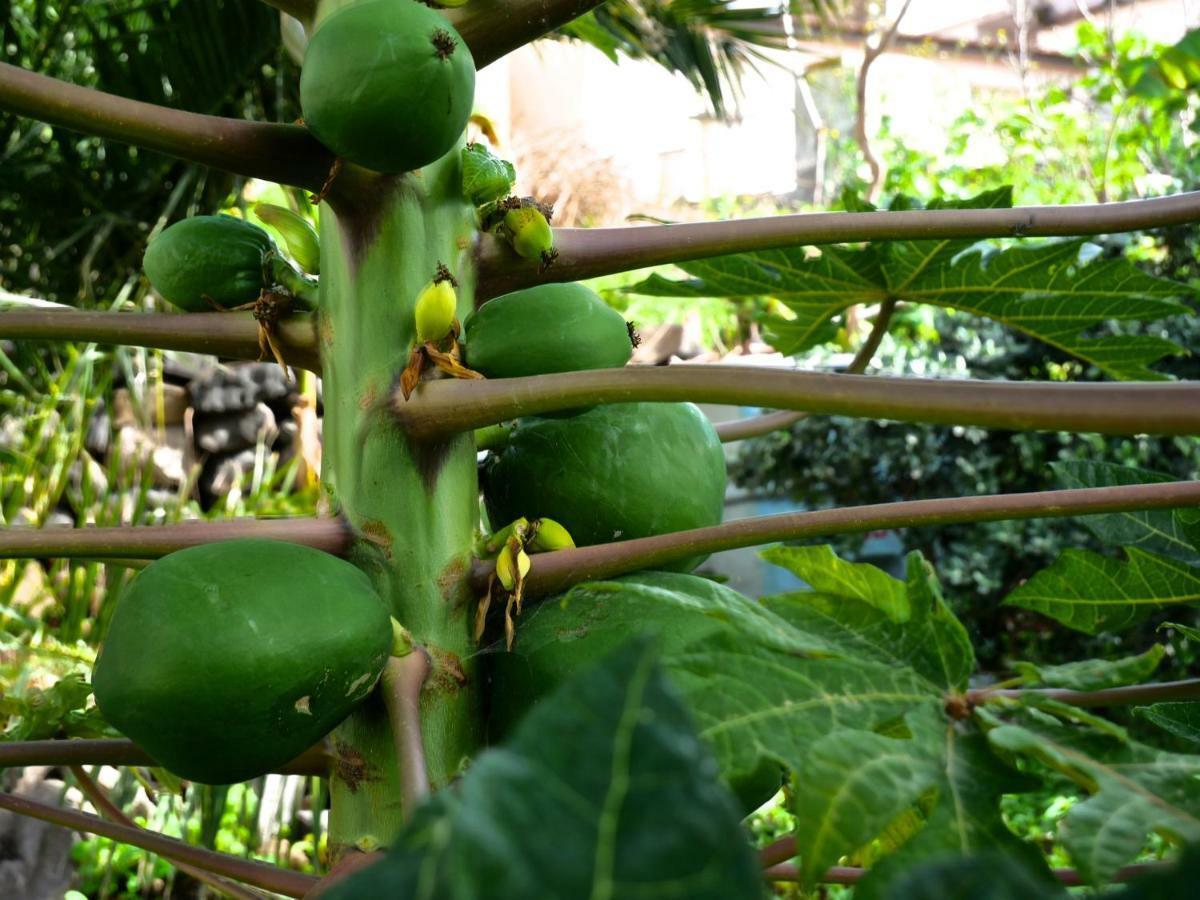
(529, 232)
(549, 535)
(436, 306)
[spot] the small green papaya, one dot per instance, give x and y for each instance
(560, 636)
(226, 660)
(208, 260)
(387, 84)
(625, 470)
(544, 329)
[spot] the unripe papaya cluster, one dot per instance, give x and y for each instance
(387, 84)
(227, 660)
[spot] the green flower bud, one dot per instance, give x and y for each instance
(528, 232)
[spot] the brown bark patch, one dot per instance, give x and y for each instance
(448, 675)
(351, 766)
(450, 581)
(377, 533)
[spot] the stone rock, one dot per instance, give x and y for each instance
(239, 388)
(235, 431)
(35, 856)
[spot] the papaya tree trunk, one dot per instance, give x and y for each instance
(414, 506)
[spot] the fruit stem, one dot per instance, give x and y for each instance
(401, 684)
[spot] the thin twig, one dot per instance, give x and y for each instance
(756, 426)
(152, 541)
(403, 678)
(556, 571)
(271, 878)
(439, 409)
(1160, 692)
(589, 252)
(113, 813)
(120, 752)
(231, 334)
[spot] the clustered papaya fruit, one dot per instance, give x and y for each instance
(387, 84)
(226, 660)
(208, 261)
(562, 636)
(544, 329)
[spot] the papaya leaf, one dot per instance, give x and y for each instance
(1172, 71)
(1162, 531)
(866, 613)
(485, 176)
(965, 820)
(622, 802)
(60, 710)
(1134, 790)
(1180, 718)
(1044, 291)
(1094, 674)
(851, 785)
(1093, 593)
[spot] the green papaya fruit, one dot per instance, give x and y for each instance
(387, 84)
(226, 660)
(561, 636)
(544, 329)
(208, 260)
(621, 471)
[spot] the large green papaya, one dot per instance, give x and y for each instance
(561, 636)
(207, 260)
(621, 471)
(226, 660)
(548, 328)
(387, 84)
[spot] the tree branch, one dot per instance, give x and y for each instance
(403, 678)
(850, 875)
(120, 752)
(1188, 689)
(871, 52)
(113, 813)
(232, 334)
(442, 408)
(152, 541)
(556, 571)
(271, 878)
(757, 426)
(492, 28)
(589, 252)
(287, 154)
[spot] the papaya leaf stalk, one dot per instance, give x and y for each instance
(230, 334)
(120, 752)
(284, 153)
(777, 421)
(493, 28)
(112, 812)
(554, 572)
(589, 252)
(271, 878)
(441, 408)
(403, 679)
(301, 10)
(1188, 689)
(120, 542)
